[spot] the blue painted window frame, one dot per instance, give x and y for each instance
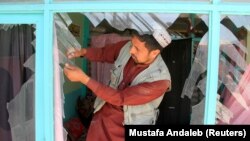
(37, 20)
(41, 14)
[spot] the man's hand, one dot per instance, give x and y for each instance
(75, 74)
(74, 53)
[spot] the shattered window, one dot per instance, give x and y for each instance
(186, 58)
(195, 84)
(233, 84)
(17, 74)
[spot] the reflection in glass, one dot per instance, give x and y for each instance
(17, 72)
(233, 85)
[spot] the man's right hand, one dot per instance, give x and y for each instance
(74, 53)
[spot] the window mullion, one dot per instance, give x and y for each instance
(212, 67)
(48, 75)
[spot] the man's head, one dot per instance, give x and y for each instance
(144, 48)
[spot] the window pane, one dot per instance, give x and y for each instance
(186, 57)
(234, 69)
(17, 56)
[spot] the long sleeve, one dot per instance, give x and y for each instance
(134, 95)
(107, 54)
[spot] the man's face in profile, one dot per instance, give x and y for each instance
(140, 53)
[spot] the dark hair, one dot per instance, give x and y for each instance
(150, 41)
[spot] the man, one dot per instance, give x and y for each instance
(138, 82)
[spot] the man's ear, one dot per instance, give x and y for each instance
(154, 53)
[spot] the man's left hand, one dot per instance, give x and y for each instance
(75, 74)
